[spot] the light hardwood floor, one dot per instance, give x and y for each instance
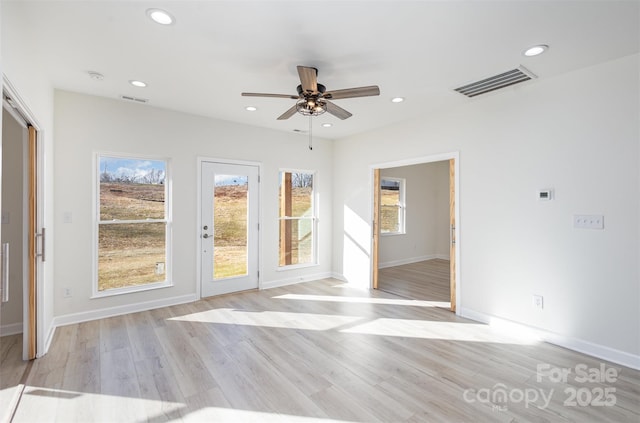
(424, 280)
(12, 370)
(312, 352)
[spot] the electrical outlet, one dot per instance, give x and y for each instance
(538, 302)
(67, 292)
(159, 268)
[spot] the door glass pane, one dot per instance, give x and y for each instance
(230, 206)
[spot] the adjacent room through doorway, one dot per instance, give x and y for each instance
(415, 232)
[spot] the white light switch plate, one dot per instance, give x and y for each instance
(588, 221)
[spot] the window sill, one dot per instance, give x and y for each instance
(131, 289)
(296, 266)
(393, 233)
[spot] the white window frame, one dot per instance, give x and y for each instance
(402, 206)
(314, 220)
(168, 281)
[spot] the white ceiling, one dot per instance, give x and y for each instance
(420, 50)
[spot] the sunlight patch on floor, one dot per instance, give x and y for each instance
(39, 404)
(451, 331)
(365, 300)
(274, 319)
(217, 414)
(43, 401)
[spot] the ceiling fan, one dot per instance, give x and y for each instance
(313, 98)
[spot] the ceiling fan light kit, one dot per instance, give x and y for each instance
(313, 98)
(311, 107)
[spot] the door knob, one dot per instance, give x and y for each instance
(205, 236)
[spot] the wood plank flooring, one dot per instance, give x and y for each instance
(424, 280)
(12, 369)
(313, 352)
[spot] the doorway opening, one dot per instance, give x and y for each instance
(22, 235)
(414, 252)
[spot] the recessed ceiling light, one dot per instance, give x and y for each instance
(138, 83)
(327, 125)
(536, 50)
(251, 108)
(160, 16)
(96, 75)
(397, 99)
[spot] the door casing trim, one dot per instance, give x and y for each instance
(414, 161)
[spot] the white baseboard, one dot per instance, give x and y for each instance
(85, 316)
(48, 341)
(410, 260)
(293, 281)
(579, 345)
(11, 329)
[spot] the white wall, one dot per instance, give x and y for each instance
(86, 125)
(427, 215)
(576, 133)
(12, 230)
(22, 66)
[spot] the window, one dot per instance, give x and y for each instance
(132, 225)
(392, 206)
(297, 218)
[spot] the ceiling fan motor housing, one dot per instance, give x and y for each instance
(321, 90)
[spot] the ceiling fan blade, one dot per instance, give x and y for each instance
(337, 111)
(294, 97)
(353, 92)
(286, 115)
(308, 78)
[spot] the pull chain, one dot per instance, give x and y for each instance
(310, 134)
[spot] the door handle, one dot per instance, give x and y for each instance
(5, 272)
(205, 236)
(42, 245)
(453, 235)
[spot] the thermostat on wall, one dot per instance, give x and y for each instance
(545, 195)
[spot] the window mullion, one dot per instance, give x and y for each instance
(115, 222)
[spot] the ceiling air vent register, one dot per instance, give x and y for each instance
(505, 79)
(134, 99)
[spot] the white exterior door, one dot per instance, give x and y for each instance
(229, 228)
